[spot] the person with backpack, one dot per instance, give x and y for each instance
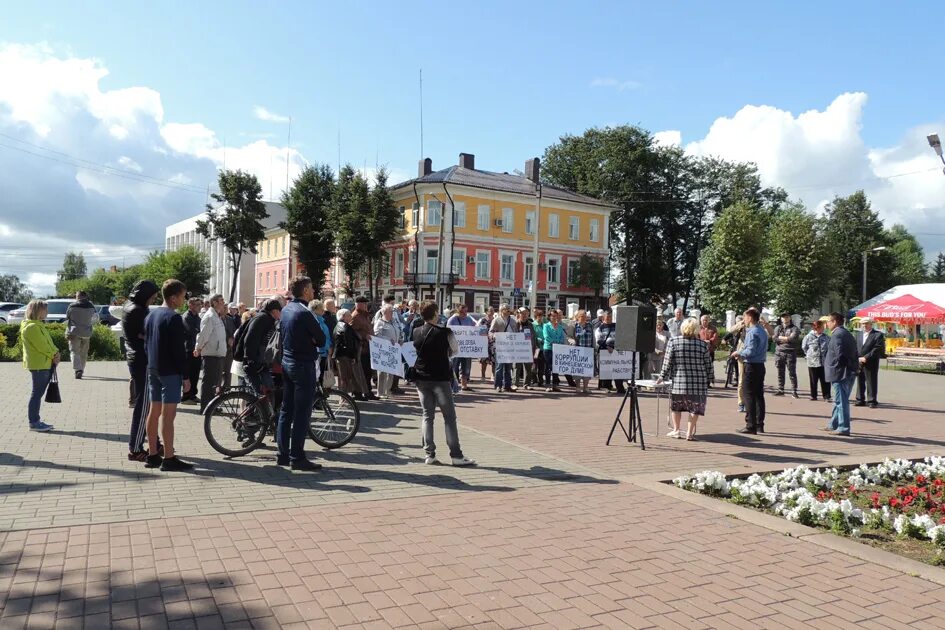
(346, 352)
(300, 337)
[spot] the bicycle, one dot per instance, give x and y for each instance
(237, 421)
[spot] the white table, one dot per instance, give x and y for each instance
(660, 389)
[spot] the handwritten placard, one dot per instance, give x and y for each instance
(385, 356)
(409, 352)
(473, 341)
(618, 365)
(512, 347)
(573, 360)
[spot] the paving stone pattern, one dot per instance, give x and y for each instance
(549, 532)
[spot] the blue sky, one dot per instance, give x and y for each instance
(501, 80)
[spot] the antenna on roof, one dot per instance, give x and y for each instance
(288, 147)
(421, 113)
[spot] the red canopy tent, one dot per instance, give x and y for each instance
(904, 309)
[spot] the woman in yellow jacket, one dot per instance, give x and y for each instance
(40, 356)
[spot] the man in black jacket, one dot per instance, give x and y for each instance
(192, 329)
(132, 325)
(873, 349)
(258, 333)
(787, 341)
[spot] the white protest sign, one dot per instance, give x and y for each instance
(409, 352)
(618, 365)
(512, 347)
(573, 360)
(473, 341)
(385, 356)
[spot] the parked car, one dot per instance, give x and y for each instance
(56, 314)
(104, 315)
(6, 308)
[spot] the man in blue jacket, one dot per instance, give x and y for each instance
(840, 368)
(301, 337)
(753, 354)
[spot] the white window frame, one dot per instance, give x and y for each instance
(412, 265)
(557, 260)
(480, 299)
(402, 218)
(502, 256)
(462, 268)
(415, 215)
(268, 286)
(260, 281)
(488, 263)
(529, 271)
(595, 230)
(530, 222)
(574, 228)
(399, 263)
(483, 216)
(434, 213)
(554, 227)
(508, 219)
(572, 263)
(427, 259)
(459, 214)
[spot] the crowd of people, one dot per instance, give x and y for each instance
(191, 358)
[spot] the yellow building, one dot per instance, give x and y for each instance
(483, 227)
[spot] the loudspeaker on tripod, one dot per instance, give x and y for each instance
(636, 329)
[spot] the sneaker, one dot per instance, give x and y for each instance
(827, 429)
(746, 431)
(431, 460)
(463, 461)
(140, 456)
(41, 426)
(153, 461)
(795, 394)
(673, 434)
(175, 464)
(873, 405)
(282, 461)
(840, 433)
(78, 374)
(741, 409)
(780, 392)
(305, 464)
(548, 389)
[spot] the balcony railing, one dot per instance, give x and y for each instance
(417, 279)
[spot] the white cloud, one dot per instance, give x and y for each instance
(819, 154)
(668, 138)
(83, 166)
(262, 113)
(616, 84)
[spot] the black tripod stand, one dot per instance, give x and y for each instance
(635, 422)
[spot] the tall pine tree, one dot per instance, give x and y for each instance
(308, 221)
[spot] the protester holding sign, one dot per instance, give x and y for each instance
(487, 360)
(584, 338)
(605, 337)
(552, 334)
(346, 351)
(525, 370)
(433, 376)
(387, 330)
(462, 365)
(538, 323)
(504, 322)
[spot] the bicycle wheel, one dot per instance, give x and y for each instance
(234, 423)
(335, 419)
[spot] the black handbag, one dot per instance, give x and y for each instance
(411, 372)
(52, 390)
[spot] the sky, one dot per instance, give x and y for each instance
(115, 117)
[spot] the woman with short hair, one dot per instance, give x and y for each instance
(40, 357)
(551, 333)
(385, 328)
(689, 364)
(317, 307)
(504, 322)
(583, 337)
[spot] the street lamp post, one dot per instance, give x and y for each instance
(936, 145)
(865, 254)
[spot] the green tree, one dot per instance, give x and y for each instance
(853, 227)
(308, 220)
(73, 268)
(13, 290)
(237, 222)
(795, 260)
(590, 273)
(382, 226)
(350, 205)
(187, 264)
(908, 265)
(729, 275)
(937, 273)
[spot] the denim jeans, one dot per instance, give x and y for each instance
(40, 383)
(461, 368)
(435, 394)
(840, 419)
(551, 379)
(297, 401)
(503, 375)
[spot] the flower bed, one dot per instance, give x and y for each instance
(898, 505)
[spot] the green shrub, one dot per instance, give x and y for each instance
(11, 332)
(102, 347)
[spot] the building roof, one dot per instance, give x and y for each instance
(503, 182)
(275, 210)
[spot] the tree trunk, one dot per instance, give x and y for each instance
(370, 281)
(237, 259)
